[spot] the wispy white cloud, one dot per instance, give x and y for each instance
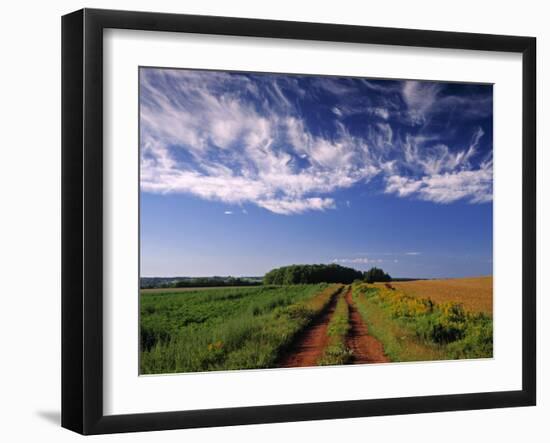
(383, 87)
(475, 186)
(201, 134)
(357, 260)
(383, 113)
(420, 97)
(402, 186)
(386, 254)
(228, 212)
(382, 135)
(236, 152)
(470, 107)
(296, 206)
(443, 176)
(335, 86)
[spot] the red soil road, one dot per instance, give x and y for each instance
(310, 344)
(365, 348)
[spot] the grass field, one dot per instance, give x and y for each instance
(233, 328)
(400, 343)
(209, 329)
(415, 328)
(336, 352)
(475, 294)
(178, 290)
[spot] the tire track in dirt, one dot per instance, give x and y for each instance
(308, 347)
(365, 348)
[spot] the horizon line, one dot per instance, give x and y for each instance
(261, 276)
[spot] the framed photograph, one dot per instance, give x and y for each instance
(269, 221)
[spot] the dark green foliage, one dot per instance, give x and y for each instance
(197, 282)
(376, 275)
(311, 274)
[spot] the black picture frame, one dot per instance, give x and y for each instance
(82, 218)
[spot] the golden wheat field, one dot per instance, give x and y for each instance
(475, 293)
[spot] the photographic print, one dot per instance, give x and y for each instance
(291, 220)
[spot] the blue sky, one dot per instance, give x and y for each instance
(244, 172)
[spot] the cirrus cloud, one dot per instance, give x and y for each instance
(245, 138)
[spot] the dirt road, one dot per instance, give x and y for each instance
(309, 346)
(365, 348)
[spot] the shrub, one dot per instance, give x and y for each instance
(464, 334)
(376, 275)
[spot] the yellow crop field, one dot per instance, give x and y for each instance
(475, 293)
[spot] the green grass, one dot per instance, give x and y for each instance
(337, 353)
(234, 328)
(413, 329)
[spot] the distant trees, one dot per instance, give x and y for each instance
(332, 273)
(307, 274)
(376, 274)
(207, 282)
(197, 282)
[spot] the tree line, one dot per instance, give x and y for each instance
(322, 273)
(197, 282)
